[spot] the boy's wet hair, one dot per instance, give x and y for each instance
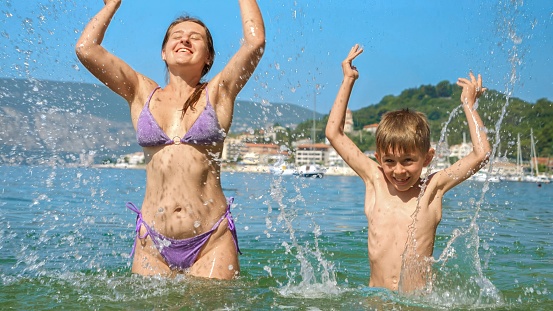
(403, 131)
(210, 46)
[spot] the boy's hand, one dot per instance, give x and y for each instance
(347, 66)
(116, 2)
(472, 89)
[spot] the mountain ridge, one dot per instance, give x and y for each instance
(66, 120)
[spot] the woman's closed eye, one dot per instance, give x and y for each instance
(195, 36)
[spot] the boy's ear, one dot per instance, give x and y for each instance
(377, 156)
(429, 156)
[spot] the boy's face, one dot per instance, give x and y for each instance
(404, 169)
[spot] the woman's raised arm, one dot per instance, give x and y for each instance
(109, 69)
(239, 69)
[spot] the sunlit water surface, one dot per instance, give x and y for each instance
(65, 238)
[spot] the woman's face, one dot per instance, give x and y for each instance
(186, 46)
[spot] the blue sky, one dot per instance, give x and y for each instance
(407, 43)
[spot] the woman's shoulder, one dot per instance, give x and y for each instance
(144, 89)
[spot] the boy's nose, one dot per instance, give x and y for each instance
(399, 169)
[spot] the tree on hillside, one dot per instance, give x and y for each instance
(440, 104)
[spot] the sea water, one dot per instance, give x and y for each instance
(65, 239)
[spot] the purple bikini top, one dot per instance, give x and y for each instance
(205, 130)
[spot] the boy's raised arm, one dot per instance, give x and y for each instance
(335, 126)
(474, 161)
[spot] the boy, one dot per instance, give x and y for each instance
(402, 210)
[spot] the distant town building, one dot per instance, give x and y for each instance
(547, 162)
(334, 159)
(371, 128)
(462, 150)
(232, 149)
(312, 153)
(264, 153)
(348, 124)
(131, 159)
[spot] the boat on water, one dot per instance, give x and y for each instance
(484, 177)
(310, 170)
(282, 168)
(534, 176)
(537, 179)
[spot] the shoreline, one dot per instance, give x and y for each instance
(258, 169)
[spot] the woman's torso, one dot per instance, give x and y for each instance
(183, 196)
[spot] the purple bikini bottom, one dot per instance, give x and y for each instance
(180, 254)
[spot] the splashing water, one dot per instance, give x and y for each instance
(457, 278)
(316, 277)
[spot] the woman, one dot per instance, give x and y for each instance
(185, 224)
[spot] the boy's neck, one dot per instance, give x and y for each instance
(407, 195)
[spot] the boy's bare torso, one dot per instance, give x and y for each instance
(390, 214)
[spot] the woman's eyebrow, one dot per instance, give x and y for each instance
(192, 32)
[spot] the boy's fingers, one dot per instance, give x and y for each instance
(472, 78)
(463, 80)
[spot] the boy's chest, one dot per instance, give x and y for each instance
(391, 211)
(388, 207)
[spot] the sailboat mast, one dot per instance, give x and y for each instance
(534, 156)
(519, 157)
(313, 133)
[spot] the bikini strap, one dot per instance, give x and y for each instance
(231, 225)
(139, 223)
(207, 96)
(150, 97)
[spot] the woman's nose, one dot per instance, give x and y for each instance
(185, 39)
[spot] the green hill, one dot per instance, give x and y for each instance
(438, 102)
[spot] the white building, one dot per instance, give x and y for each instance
(131, 159)
(334, 159)
(462, 150)
(348, 124)
(371, 128)
(312, 153)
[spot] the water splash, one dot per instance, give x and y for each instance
(458, 278)
(316, 277)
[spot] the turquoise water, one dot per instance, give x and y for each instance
(65, 238)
